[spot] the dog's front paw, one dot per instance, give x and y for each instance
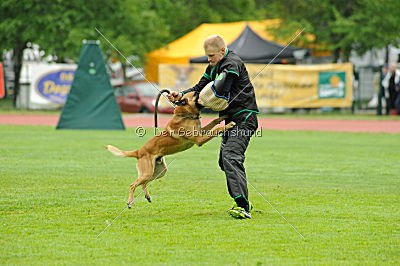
(222, 118)
(230, 125)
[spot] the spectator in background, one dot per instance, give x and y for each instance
(397, 102)
(391, 85)
(385, 104)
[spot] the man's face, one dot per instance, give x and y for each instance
(214, 55)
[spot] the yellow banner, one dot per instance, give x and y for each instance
(287, 86)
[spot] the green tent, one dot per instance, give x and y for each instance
(91, 102)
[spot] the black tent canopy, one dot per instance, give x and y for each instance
(253, 49)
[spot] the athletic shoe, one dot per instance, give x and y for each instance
(251, 206)
(239, 213)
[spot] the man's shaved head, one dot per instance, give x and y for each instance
(214, 48)
(214, 42)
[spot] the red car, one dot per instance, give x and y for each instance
(140, 97)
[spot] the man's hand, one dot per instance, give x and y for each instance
(174, 96)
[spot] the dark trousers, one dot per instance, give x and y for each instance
(231, 156)
(397, 103)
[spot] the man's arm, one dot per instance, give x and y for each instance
(176, 96)
(199, 86)
(223, 83)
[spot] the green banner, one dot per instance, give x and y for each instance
(331, 85)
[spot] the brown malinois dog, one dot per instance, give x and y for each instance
(181, 133)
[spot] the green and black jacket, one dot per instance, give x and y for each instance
(240, 90)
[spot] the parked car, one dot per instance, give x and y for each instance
(140, 97)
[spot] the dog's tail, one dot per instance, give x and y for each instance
(119, 153)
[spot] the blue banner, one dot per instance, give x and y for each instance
(55, 85)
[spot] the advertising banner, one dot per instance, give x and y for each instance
(48, 84)
(279, 86)
(54, 85)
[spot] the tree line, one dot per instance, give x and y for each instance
(139, 26)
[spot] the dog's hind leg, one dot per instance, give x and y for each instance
(160, 168)
(146, 193)
(145, 166)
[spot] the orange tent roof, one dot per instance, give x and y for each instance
(191, 45)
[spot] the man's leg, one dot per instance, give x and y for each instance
(397, 103)
(232, 156)
(233, 147)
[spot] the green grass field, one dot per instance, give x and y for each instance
(59, 189)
